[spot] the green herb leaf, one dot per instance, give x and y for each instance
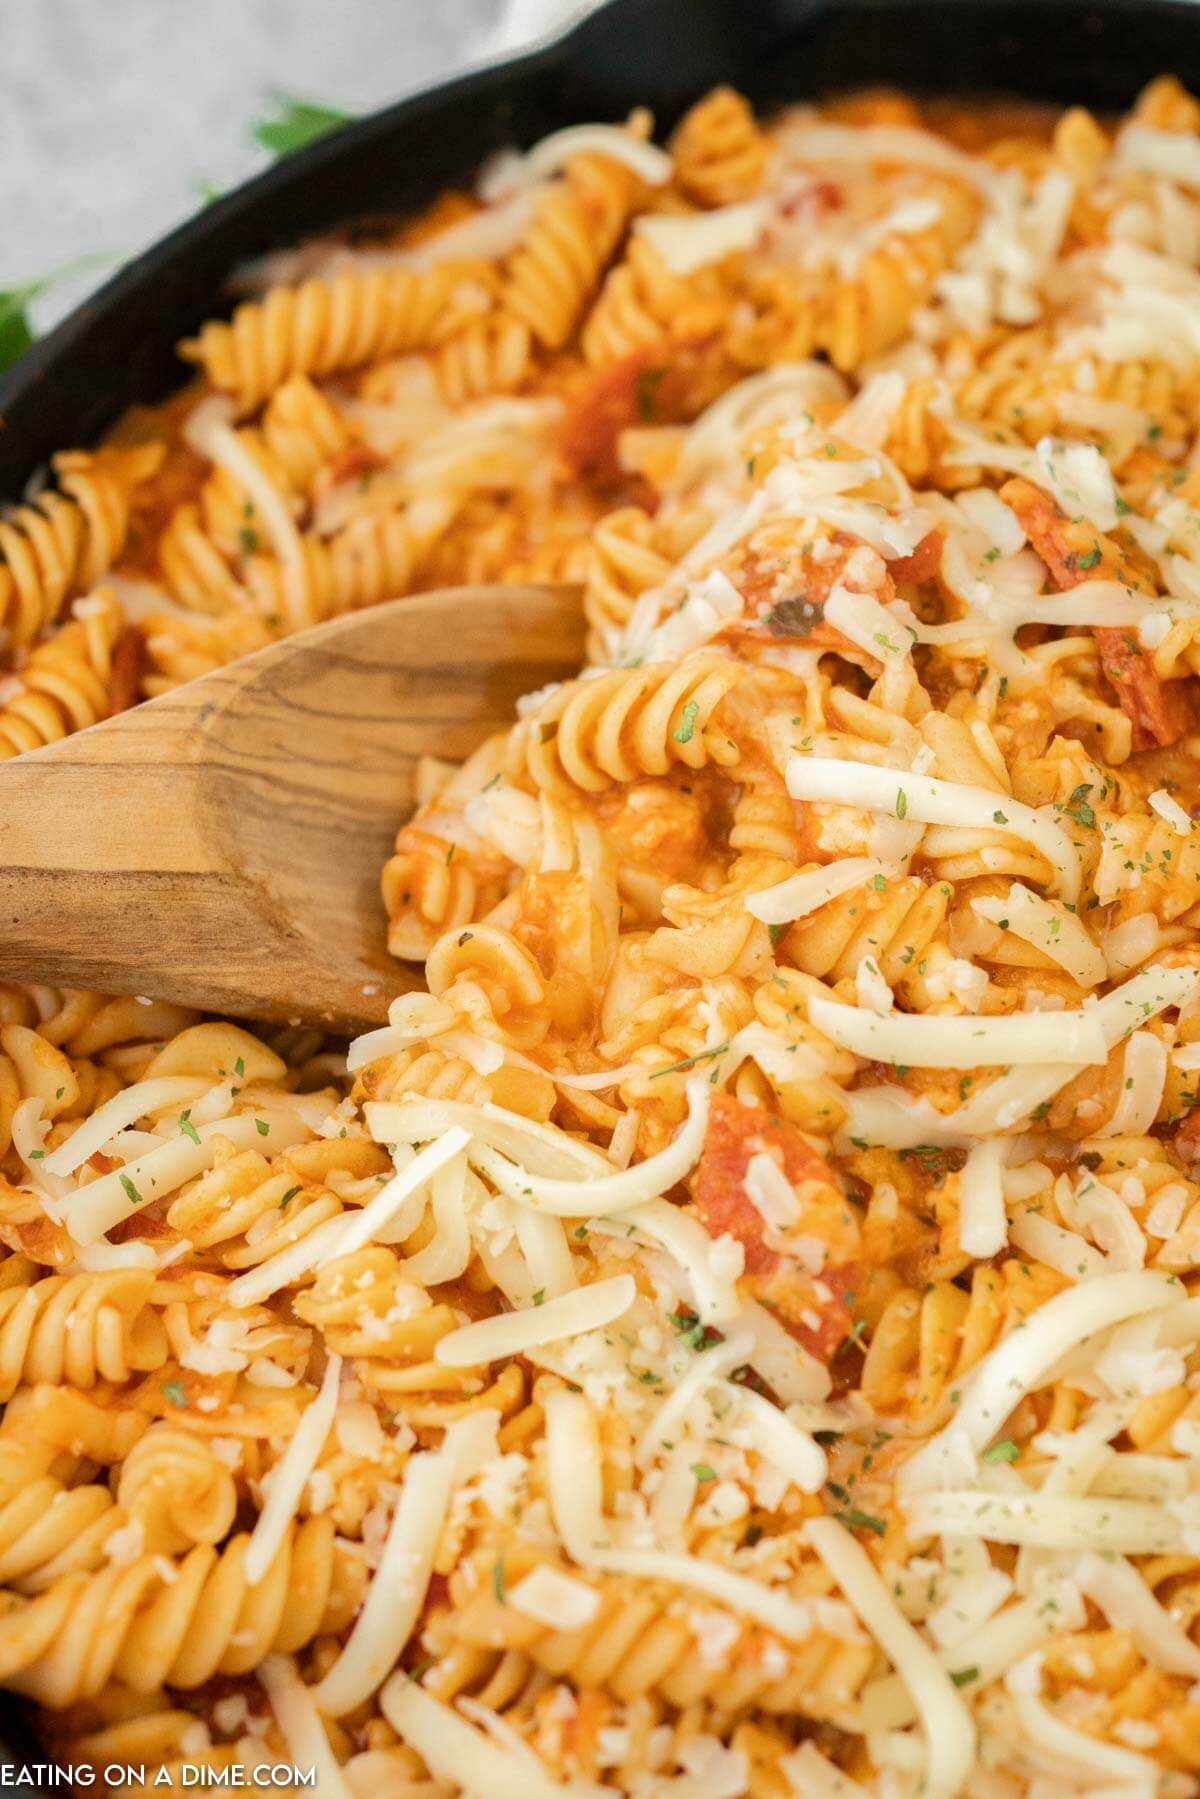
(1077, 806)
(776, 932)
(173, 1390)
(262, 1127)
(498, 1587)
(857, 1520)
(297, 123)
(1004, 1451)
(646, 389)
(130, 1190)
(703, 1472)
(704, 1055)
(187, 1127)
(16, 332)
(686, 729)
(962, 1677)
(690, 1330)
(539, 1298)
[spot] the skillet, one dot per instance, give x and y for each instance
(118, 347)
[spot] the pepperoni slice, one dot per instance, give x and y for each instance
(1161, 711)
(814, 1307)
(660, 384)
(921, 564)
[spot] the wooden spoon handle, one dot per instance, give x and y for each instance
(222, 846)
(117, 871)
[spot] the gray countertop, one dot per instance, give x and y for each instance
(115, 117)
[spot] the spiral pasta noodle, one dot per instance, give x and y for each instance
(575, 229)
(635, 1648)
(644, 306)
(68, 682)
(48, 1528)
(720, 150)
(177, 1490)
(182, 649)
(78, 1329)
(205, 1620)
(731, 1331)
(624, 563)
(592, 733)
(303, 430)
(924, 1343)
(60, 544)
(373, 559)
(324, 326)
(491, 355)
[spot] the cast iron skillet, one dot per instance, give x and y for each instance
(119, 347)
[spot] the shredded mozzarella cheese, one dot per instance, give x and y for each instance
(557, 1600)
(926, 801)
(1181, 822)
(929, 1040)
(806, 892)
(512, 1333)
(396, 1594)
(687, 242)
(288, 1480)
(982, 1222)
(300, 1724)
(948, 1729)
(106, 1202)
(553, 153)
(602, 1195)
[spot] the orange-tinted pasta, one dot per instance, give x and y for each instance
(737, 1329)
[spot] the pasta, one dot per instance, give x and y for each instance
(58, 545)
(735, 1331)
(326, 326)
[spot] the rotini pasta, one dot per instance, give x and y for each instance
(733, 1332)
(576, 227)
(59, 545)
(326, 326)
(71, 680)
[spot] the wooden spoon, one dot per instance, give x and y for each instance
(222, 846)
